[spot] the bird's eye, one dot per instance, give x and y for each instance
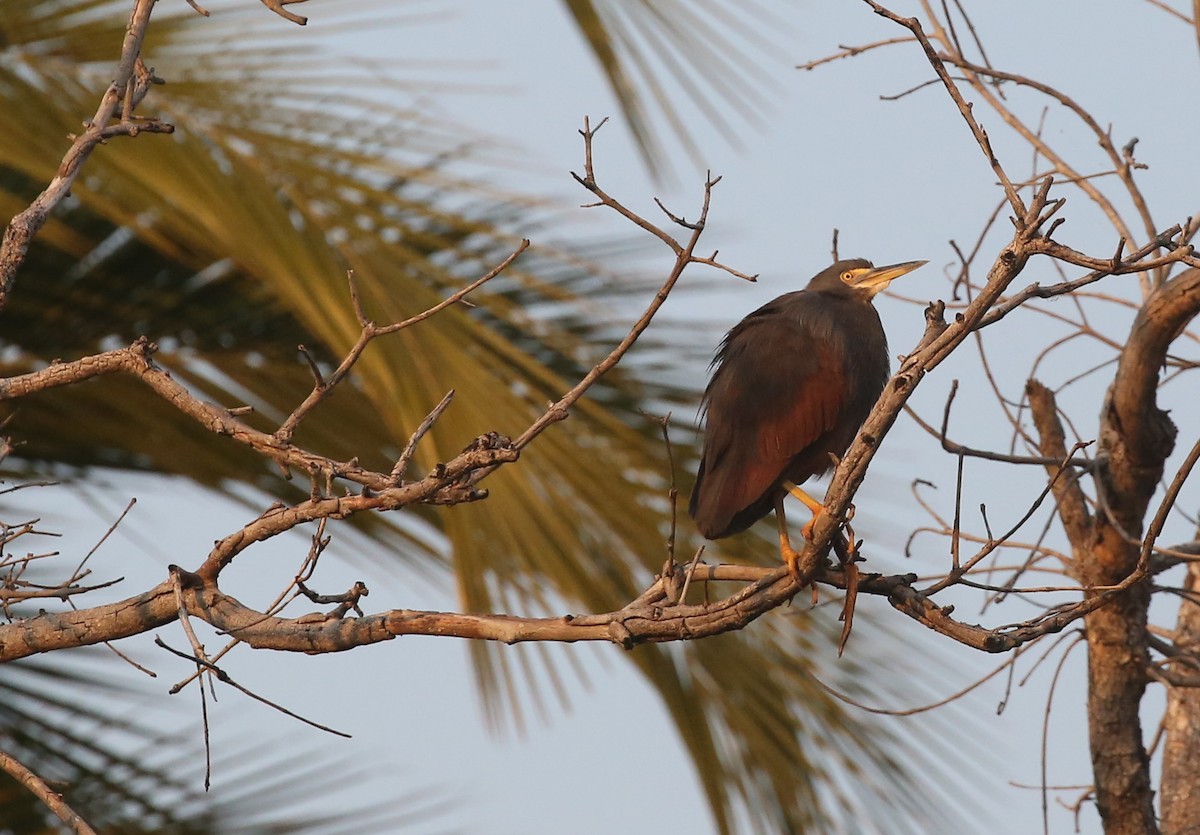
(847, 276)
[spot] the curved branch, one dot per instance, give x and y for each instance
(1136, 437)
(49, 797)
(277, 6)
(1136, 434)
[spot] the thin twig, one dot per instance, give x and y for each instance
(225, 678)
(397, 474)
(964, 107)
(75, 575)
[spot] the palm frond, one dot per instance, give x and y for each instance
(655, 53)
(122, 775)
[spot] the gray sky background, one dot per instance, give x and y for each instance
(899, 179)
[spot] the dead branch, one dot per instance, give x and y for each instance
(277, 6)
(684, 257)
(371, 331)
(127, 89)
(1072, 504)
(981, 137)
(851, 52)
(48, 796)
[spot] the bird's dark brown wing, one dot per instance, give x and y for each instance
(776, 394)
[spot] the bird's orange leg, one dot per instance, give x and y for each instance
(789, 554)
(812, 504)
(786, 552)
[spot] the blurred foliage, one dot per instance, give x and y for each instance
(108, 760)
(712, 53)
(228, 244)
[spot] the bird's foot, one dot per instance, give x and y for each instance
(807, 530)
(847, 552)
(849, 530)
(791, 558)
(847, 615)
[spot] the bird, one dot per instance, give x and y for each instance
(790, 387)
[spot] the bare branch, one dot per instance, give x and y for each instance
(277, 6)
(370, 331)
(50, 798)
(964, 107)
(422, 429)
(850, 52)
(1072, 504)
(684, 256)
(22, 228)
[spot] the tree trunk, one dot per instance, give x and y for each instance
(1136, 438)
(1118, 654)
(1181, 751)
(1117, 659)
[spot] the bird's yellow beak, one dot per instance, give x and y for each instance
(876, 279)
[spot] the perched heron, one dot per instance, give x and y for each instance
(791, 386)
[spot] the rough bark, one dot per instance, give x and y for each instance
(1117, 659)
(1136, 437)
(1117, 651)
(1181, 765)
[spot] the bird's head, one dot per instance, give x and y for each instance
(860, 277)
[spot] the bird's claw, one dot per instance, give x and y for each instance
(847, 616)
(807, 530)
(791, 559)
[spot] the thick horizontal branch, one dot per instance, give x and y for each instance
(652, 618)
(52, 631)
(318, 633)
